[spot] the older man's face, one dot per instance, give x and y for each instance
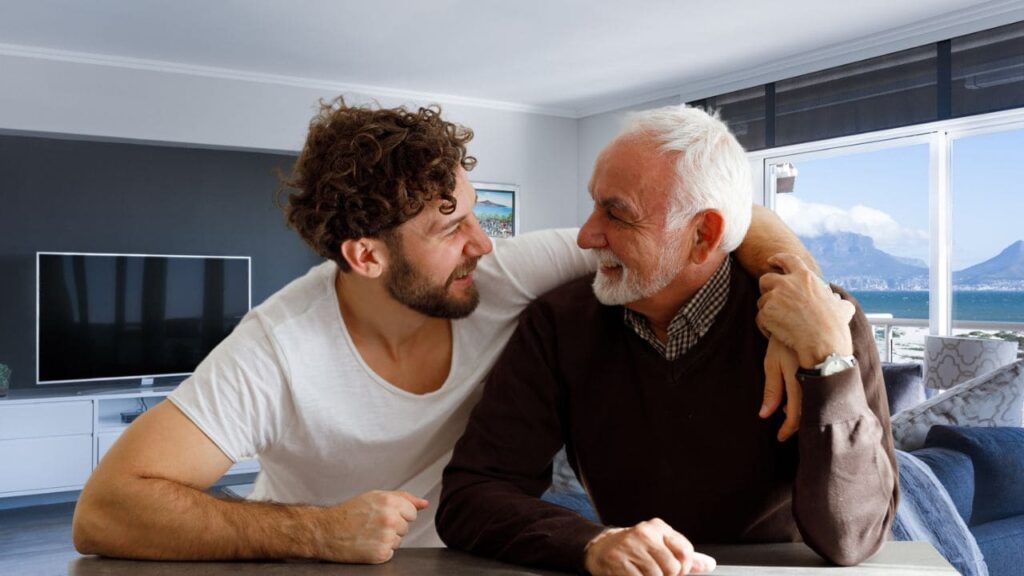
(631, 186)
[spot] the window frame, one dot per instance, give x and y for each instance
(940, 136)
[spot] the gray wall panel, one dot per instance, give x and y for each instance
(84, 196)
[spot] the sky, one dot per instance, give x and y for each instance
(884, 194)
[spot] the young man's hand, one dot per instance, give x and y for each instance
(650, 548)
(366, 529)
(799, 309)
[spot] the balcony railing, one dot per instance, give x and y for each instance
(887, 323)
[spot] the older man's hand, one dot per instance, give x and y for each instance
(801, 311)
(650, 548)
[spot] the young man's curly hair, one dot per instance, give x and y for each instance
(366, 170)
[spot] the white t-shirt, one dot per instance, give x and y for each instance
(288, 386)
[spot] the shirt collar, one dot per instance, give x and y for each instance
(692, 320)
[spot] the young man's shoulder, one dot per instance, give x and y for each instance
(299, 297)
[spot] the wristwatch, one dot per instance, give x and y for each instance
(833, 364)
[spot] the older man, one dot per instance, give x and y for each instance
(651, 378)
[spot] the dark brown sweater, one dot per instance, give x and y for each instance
(678, 440)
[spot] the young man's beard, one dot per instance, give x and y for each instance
(407, 285)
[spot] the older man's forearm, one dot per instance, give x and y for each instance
(493, 518)
(845, 492)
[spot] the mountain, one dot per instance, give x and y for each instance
(911, 261)
(854, 261)
(1003, 269)
(489, 203)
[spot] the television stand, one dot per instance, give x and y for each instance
(51, 441)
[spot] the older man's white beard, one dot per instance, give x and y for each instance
(630, 288)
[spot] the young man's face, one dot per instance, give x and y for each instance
(432, 257)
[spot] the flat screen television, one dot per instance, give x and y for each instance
(129, 316)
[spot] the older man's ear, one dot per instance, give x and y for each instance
(707, 229)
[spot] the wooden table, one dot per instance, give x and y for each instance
(895, 559)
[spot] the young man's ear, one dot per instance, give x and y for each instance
(366, 256)
(709, 226)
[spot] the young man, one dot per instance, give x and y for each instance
(351, 384)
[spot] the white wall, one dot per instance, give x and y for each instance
(91, 100)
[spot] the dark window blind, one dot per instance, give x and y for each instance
(988, 70)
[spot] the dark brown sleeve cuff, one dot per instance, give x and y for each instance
(833, 398)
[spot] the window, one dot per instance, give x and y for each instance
(862, 211)
(987, 172)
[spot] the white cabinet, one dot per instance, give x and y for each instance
(49, 419)
(45, 447)
(104, 440)
(37, 465)
(52, 443)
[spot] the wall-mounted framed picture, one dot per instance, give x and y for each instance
(497, 208)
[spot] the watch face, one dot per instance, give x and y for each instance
(836, 364)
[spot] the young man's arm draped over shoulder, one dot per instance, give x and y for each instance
(845, 495)
(767, 236)
(515, 430)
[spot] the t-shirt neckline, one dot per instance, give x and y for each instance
(377, 378)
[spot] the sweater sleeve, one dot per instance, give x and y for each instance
(490, 500)
(846, 490)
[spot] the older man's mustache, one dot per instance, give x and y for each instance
(606, 257)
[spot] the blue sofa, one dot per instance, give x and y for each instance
(978, 472)
(981, 470)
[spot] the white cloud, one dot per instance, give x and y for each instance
(811, 219)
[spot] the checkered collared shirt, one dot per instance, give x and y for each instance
(692, 321)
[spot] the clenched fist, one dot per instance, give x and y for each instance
(366, 529)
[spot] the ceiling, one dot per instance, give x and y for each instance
(565, 57)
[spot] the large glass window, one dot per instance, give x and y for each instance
(987, 189)
(863, 212)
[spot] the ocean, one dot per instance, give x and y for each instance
(999, 306)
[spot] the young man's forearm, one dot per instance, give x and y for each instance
(156, 519)
(767, 236)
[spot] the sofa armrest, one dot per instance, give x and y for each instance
(997, 455)
(955, 472)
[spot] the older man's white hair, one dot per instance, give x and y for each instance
(712, 170)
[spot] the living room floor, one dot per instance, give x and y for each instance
(36, 541)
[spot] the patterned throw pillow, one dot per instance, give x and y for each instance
(993, 399)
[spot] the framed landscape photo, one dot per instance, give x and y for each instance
(497, 208)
